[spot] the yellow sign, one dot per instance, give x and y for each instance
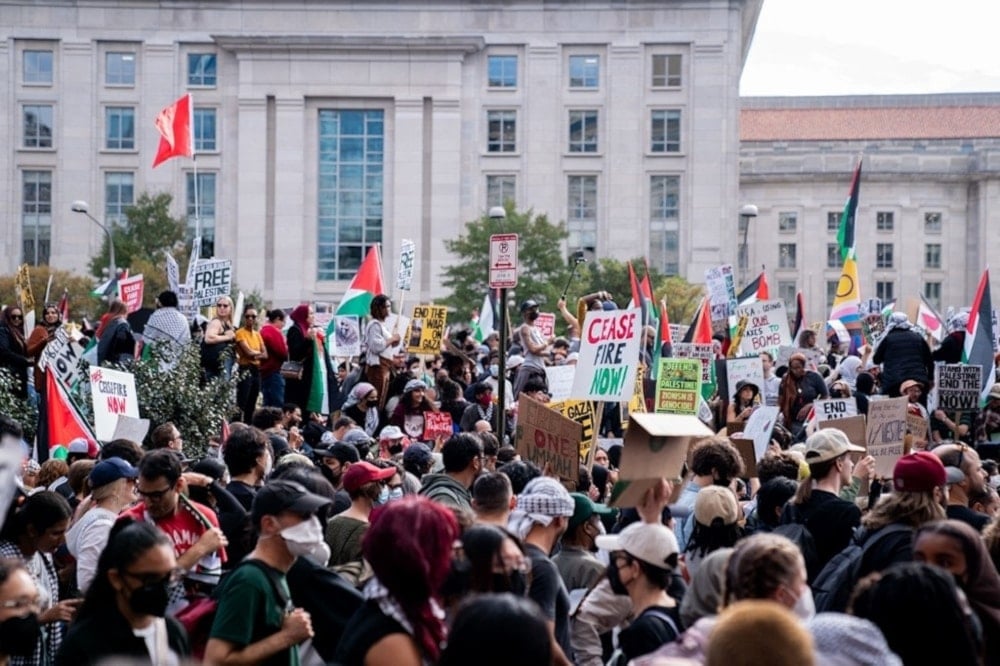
(581, 411)
(426, 329)
(23, 285)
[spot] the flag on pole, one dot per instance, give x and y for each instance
(634, 285)
(800, 315)
(318, 397)
(365, 285)
(666, 341)
(700, 330)
(847, 303)
(755, 291)
(64, 418)
(929, 320)
(64, 306)
(174, 125)
(978, 349)
(485, 323)
(845, 232)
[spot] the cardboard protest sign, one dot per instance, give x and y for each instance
(759, 427)
(767, 327)
(400, 324)
(678, 386)
(958, 386)
(853, 426)
(678, 331)
(609, 355)
(112, 393)
(62, 358)
(407, 257)
(560, 379)
(213, 278)
(885, 433)
(721, 291)
(656, 446)
(346, 336)
(437, 424)
(546, 324)
(916, 425)
(427, 329)
(745, 446)
(130, 290)
(701, 352)
(130, 428)
(546, 437)
(835, 408)
(581, 411)
(22, 287)
(193, 261)
(749, 368)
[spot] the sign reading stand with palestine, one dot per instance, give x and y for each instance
(957, 386)
(609, 355)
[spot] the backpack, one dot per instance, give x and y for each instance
(197, 616)
(833, 587)
(798, 533)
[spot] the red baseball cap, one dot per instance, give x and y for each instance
(360, 473)
(918, 472)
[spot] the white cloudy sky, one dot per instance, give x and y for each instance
(864, 47)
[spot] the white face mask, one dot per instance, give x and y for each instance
(805, 607)
(395, 494)
(306, 540)
(268, 464)
(494, 370)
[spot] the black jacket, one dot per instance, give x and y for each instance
(96, 638)
(14, 357)
(903, 355)
(329, 599)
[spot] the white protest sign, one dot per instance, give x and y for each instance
(609, 355)
(194, 260)
(957, 386)
(173, 274)
(131, 428)
(407, 256)
(185, 301)
(721, 291)
(759, 427)
(346, 336)
(213, 278)
(701, 352)
(112, 393)
(767, 327)
(835, 408)
(546, 324)
(750, 369)
(560, 378)
(62, 357)
(885, 433)
(401, 323)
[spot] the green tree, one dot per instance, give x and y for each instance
(543, 268)
(78, 288)
(143, 241)
(611, 275)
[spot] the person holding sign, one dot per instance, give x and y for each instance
(743, 403)
(799, 389)
(116, 344)
(14, 350)
(377, 340)
(40, 337)
(535, 346)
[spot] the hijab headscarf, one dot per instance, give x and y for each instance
(16, 329)
(300, 315)
(357, 394)
(849, 368)
(59, 321)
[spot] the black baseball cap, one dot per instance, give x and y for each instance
(283, 495)
(528, 304)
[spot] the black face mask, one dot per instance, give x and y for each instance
(457, 583)
(532, 316)
(151, 599)
(19, 635)
(515, 582)
(615, 578)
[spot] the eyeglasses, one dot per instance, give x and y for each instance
(250, 316)
(17, 316)
(155, 577)
(152, 494)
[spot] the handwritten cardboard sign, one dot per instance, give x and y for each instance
(609, 355)
(853, 426)
(958, 386)
(678, 386)
(112, 393)
(546, 437)
(427, 329)
(885, 434)
(437, 424)
(835, 408)
(702, 352)
(767, 327)
(749, 368)
(581, 411)
(546, 324)
(721, 291)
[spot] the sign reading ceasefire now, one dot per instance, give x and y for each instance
(609, 356)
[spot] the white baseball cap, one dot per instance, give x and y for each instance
(651, 543)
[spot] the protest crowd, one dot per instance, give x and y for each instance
(732, 492)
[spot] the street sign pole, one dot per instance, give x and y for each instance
(502, 275)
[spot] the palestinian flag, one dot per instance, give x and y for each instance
(318, 401)
(800, 315)
(700, 330)
(979, 336)
(485, 323)
(64, 419)
(845, 232)
(666, 341)
(365, 285)
(757, 290)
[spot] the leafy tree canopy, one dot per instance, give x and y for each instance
(78, 289)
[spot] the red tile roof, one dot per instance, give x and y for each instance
(941, 122)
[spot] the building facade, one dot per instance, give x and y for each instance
(324, 127)
(929, 202)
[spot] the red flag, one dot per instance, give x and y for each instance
(64, 306)
(634, 283)
(763, 292)
(666, 342)
(703, 324)
(64, 419)
(174, 126)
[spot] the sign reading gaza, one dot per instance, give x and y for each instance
(213, 278)
(609, 355)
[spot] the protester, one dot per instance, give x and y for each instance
(798, 390)
(408, 414)
(716, 516)
(256, 621)
(817, 506)
(116, 343)
(714, 461)
(377, 340)
(497, 561)
(14, 350)
(759, 633)
(492, 499)
(957, 547)
(220, 337)
(903, 354)
(918, 609)
(770, 500)
(704, 594)
(41, 336)
(31, 535)
(362, 405)
(124, 615)
(462, 455)
(409, 546)
(333, 463)
(112, 489)
(20, 604)
(743, 403)
(484, 626)
(166, 436)
(481, 409)
(167, 331)
(971, 480)
(417, 461)
(845, 640)
(248, 458)
(577, 565)
(250, 352)
(272, 383)
(364, 483)
(534, 346)
(391, 443)
(303, 337)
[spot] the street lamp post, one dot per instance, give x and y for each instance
(747, 213)
(498, 214)
(82, 207)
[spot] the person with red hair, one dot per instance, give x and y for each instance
(409, 546)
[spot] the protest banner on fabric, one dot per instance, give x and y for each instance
(546, 437)
(678, 386)
(609, 355)
(437, 424)
(958, 386)
(702, 352)
(213, 278)
(581, 411)
(62, 358)
(112, 393)
(404, 274)
(767, 327)
(546, 324)
(346, 336)
(426, 329)
(721, 291)
(885, 433)
(835, 408)
(560, 378)
(749, 368)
